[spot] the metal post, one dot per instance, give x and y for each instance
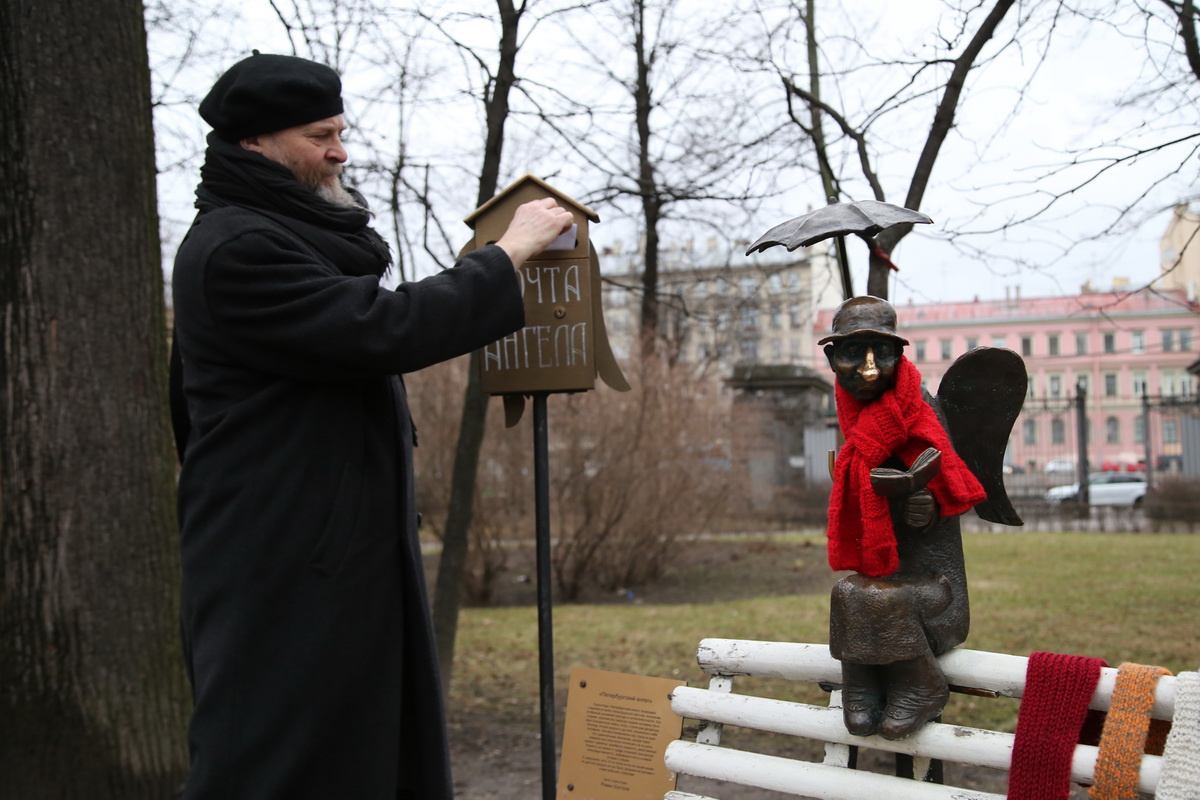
(1146, 433)
(1081, 430)
(541, 480)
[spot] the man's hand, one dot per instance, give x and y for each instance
(534, 225)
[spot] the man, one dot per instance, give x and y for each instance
(897, 529)
(305, 617)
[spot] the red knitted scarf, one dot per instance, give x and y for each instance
(897, 423)
(1053, 708)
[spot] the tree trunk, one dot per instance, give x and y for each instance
(939, 129)
(93, 701)
(647, 186)
(447, 594)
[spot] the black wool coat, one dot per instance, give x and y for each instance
(305, 614)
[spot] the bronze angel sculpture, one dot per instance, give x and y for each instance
(911, 464)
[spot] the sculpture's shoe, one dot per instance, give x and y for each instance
(862, 698)
(916, 693)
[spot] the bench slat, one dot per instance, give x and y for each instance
(972, 669)
(959, 744)
(818, 780)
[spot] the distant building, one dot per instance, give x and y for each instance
(718, 308)
(1116, 345)
(745, 323)
(1179, 252)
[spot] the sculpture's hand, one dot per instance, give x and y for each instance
(919, 509)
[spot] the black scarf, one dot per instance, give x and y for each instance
(235, 176)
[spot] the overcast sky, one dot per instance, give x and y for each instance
(979, 182)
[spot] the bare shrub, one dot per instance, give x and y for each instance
(631, 472)
(1175, 500)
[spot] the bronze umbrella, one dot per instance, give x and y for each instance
(863, 217)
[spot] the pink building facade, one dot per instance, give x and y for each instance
(1117, 346)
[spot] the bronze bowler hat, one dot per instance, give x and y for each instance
(863, 315)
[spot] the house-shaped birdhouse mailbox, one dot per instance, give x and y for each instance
(563, 346)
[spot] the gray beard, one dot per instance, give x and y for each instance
(336, 193)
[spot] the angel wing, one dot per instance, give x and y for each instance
(981, 395)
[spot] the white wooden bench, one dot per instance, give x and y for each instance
(971, 671)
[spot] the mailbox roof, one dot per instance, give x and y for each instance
(483, 209)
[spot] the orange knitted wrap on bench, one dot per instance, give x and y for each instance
(1123, 739)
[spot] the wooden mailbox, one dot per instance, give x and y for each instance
(564, 345)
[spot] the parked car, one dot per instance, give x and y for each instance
(1059, 465)
(1105, 489)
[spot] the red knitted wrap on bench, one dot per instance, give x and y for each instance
(1057, 691)
(899, 422)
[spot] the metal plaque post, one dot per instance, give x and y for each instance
(541, 481)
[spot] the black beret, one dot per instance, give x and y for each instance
(268, 93)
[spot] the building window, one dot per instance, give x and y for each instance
(1110, 384)
(1032, 388)
(795, 349)
(1112, 431)
(776, 350)
(1167, 382)
(1081, 344)
(1168, 340)
(1110, 342)
(1137, 342)
(749, 317)
(1081, 381)
(1030, 431)
(999, 341)
(1058, 431)
(1139, 384)
(947, 350)
(1170, 431)
(722, 287)
(1026, 345)
(776, 315)
(1056, 386)
(972, 342)
(749, 349)
(775, 284)
(794, 316)
(701, 288)
(1139, 429)
(1185, 339)
(1052, 343)
(747, 286)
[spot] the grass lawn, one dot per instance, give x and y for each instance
(1122, 597)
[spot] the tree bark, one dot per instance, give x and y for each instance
(93, 701)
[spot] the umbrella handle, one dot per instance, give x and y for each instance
(844, 266)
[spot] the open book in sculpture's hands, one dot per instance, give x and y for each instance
(902, 483)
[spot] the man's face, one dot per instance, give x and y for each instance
(313, 152)
(865, 365)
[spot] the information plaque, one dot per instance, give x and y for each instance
(617, 731)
